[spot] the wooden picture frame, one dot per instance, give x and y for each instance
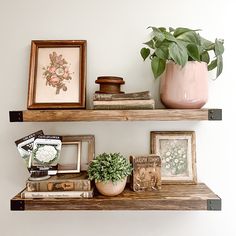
(86, 148)
(177, 150)
(57, 74)
(70, 167)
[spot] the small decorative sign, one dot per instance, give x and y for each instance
(146, 174)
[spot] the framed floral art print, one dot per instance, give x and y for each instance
(178, 156)
(57, 76)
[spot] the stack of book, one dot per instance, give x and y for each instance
(125, 101)
(60, 186)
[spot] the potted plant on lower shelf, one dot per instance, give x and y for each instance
(110, 173)
(182, 56)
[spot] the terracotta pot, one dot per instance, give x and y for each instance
(185, 87)
(111, 189)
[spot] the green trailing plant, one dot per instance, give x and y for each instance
(181, 45)
(106, 167)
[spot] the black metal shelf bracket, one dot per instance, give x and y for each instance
(16, 116)
(215, 114)
(17, 205)
(214, 204)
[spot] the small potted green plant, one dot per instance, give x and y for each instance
(183, 57)
(110, 173)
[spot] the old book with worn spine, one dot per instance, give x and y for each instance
(124, 105)
(60, 194)
(122, 96)
(61, 182)
(146, 174)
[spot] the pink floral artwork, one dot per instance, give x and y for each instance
(57, 73)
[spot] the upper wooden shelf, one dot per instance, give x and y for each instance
(170, 197)
(115, 115)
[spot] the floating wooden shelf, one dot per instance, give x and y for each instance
(115, 115)
(170, 197)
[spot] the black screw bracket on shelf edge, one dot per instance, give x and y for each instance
(214, 204)
(17, 205)
(215, 114)
(16, 116)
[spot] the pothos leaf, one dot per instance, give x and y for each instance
(182, 30)
(212, 65)
(219, 47)
(178, 53)
(205, 57)
(193, 52)
(150, 43)
(158, 66)
(145, 53)
(190, 37)
(219, 65)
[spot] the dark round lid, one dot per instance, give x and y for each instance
(110, 79)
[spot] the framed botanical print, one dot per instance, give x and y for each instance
(177, 150)
(57, 76)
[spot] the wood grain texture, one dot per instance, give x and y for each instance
(114, 115)
(109, 84)
(170, 197)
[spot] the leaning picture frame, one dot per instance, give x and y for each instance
(57, 74)
(74, 161)
(70, 158)
(177, 150)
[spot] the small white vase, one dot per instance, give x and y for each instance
(111, 189)
(185, 87)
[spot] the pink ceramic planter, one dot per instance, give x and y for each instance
(111, 189)
(186, 87)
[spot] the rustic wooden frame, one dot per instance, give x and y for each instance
(90, 139)
(64, 168)
(35, 45)
(153, 137)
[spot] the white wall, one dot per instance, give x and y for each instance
(115, 31)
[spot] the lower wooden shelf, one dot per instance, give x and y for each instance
(170, 197)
